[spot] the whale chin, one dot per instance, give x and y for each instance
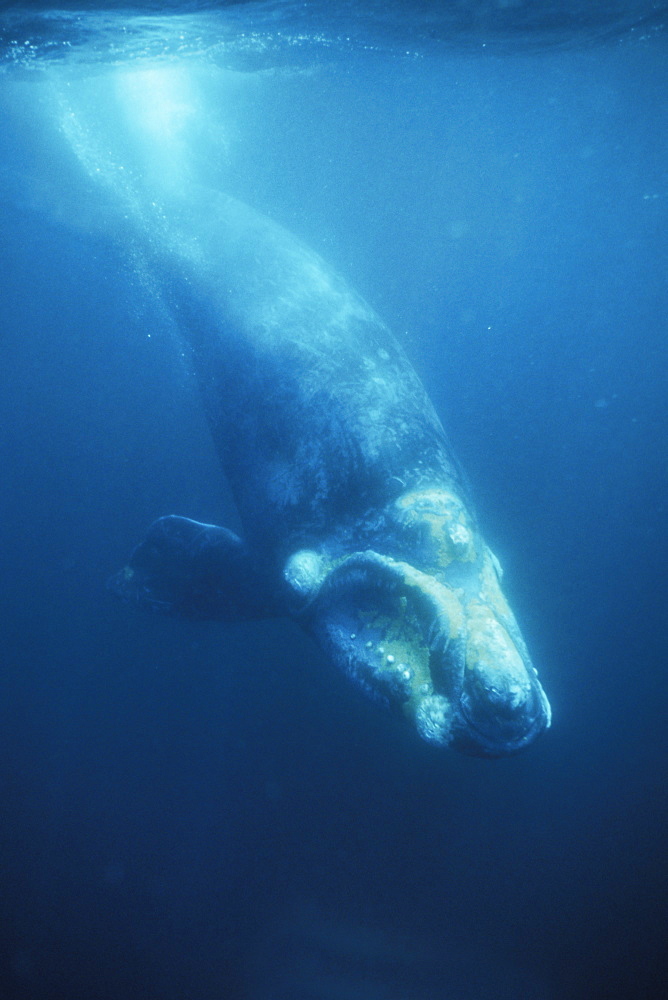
(447, 663)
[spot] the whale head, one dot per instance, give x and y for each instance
(436, 642)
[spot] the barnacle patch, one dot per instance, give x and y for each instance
(402, 657)
(389, 626)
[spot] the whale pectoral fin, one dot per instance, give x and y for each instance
(195, 571)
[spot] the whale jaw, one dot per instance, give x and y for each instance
(453, 665)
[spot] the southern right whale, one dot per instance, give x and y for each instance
(357, 521)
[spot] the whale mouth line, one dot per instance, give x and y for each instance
(403, 637)
(365, 569)
(382, 626)
(409, 589)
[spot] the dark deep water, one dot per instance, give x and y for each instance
(204, 811)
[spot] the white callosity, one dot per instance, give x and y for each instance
(304, 572)
(434, 719)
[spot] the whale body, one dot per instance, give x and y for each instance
(357, 521)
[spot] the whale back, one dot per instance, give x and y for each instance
(315, 410)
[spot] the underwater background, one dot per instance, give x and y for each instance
(207, 810)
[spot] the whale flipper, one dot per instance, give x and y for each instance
(195, 571)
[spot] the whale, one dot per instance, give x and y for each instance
(356, 519)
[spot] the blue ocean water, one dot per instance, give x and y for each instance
(206, 810)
